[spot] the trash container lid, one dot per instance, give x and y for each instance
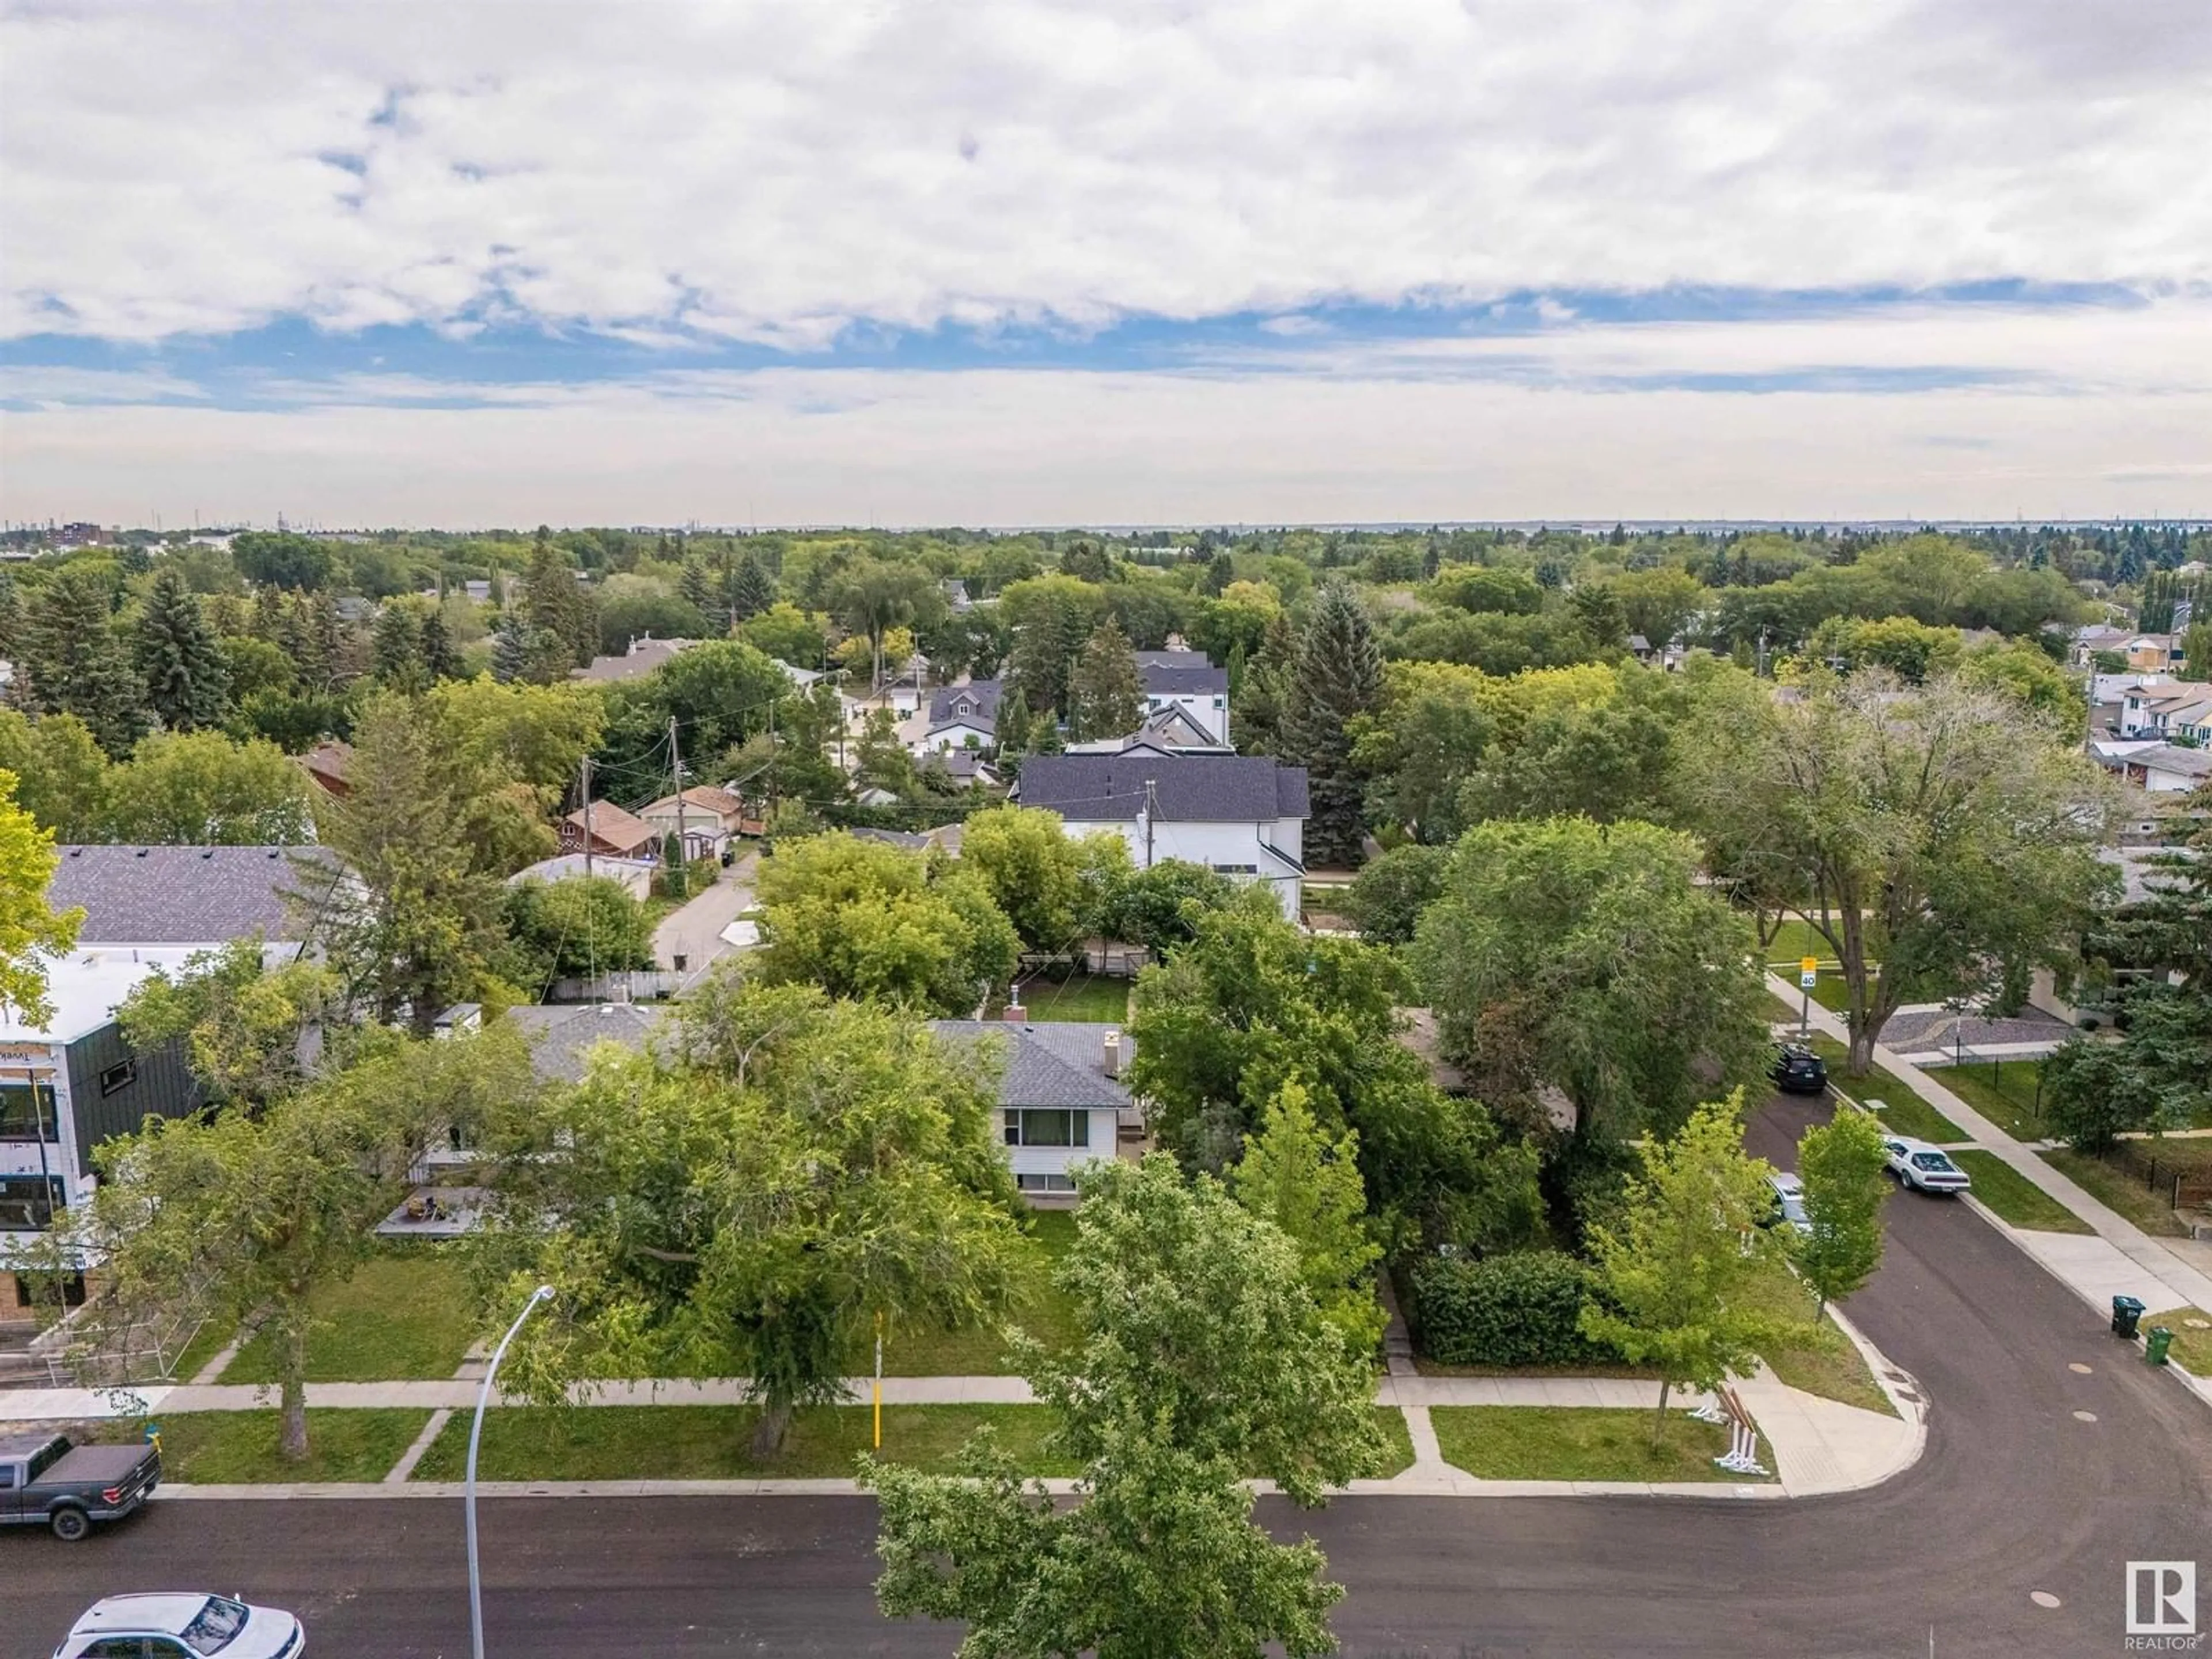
(2130, 1302)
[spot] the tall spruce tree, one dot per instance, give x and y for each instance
(1258, 696)
(397, 658)
(1105, 696)
(1338, 674)
(187, 682)
(74, 662)
(510, 649)
(752, 590)
(554, 606)
(440, 661)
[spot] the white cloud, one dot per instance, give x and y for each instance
(775, 172)
(53, 386)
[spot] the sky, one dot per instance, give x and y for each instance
(1032, 262)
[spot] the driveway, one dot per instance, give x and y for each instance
(693, 931)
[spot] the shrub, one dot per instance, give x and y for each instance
(1508, 1311)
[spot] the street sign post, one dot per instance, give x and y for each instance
(1808, 975)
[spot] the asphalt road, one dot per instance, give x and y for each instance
(2015, 1495)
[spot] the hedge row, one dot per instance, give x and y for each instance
(1508, 1311)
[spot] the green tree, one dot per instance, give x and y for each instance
(1677, 1273)
(880, 760)
(787, 634)
(1261, 699)
(441, 658)
(1476, 588)
(1309, 1186)
(577, 927)
(252, 1214)
(1051, 617)
(1159, 908)
(187, 682)
(1846, 1169)
(1338, 677)
(863, 920)
(554, 606)
(1033, 870)
(751, 589)
(748, 1209)
(281, 560)
(1386, 899)
(243, 1025)
(1205, 1362)
(1106, 697)
(29, 928)
(1944, 833)
(415, 929)
(1658, 604)
(204, 789)
(1592, 958)
(64, 781)
(73, 661)
(874, 596)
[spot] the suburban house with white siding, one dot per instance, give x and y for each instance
(1062, 1097)
(961, 717)
(1242, 816)
(1184, 679)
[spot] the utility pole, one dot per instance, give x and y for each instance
(584, 786)
(676, 771)
(1151, 812)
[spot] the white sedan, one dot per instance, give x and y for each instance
(1924, 1168)
(182, 1625)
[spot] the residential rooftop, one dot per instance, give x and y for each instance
(1191, 788)
(1048, 1062)
(200, 896)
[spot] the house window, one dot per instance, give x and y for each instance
(1029, 1183)
(1221, 702)
(121, 1075)
(26, 1112)
(1237, 869)
(28, 1203)
(1047, 1127)
(39, 1292)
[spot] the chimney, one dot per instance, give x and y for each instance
(1113, 1052)
(1016, 1014)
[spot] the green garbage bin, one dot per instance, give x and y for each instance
(2127, 1312)
(2161, 1340)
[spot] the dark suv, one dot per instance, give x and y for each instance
(1797, 1069)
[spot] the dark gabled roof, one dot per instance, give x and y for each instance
(184, 895)
(1180, 673)
(984, 694)
(1190, 789)
(563, 1035)
(1049, 1062)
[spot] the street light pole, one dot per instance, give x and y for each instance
(476, 1432)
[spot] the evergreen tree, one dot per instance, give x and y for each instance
(510, 649)
(187, 682)
(1106, 696)
(1338, 674)
(440, 661)
(696, 588)
(556, 606)
(1013, 727)
(752, 590)
(11, 615)
(269, 615)
(74, 662)
(1260, 691)
(302, 641)
(397, 658)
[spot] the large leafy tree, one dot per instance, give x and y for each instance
(1944, 832)
(1309, 1186)
(1846, 1169)
(863, 920)
(581, 926)
(246, 1028)
(1337, 676)
(748, 1205)
(1034, 870)
(187, 683)
(1590, 958)
(29, 928)
(1678, 1272)
(1205, 1361)
(251, 1213)
(875, 596)
(72, 660)
(204, 789)
(1051, 617)
(64, 779)
(1106, 697)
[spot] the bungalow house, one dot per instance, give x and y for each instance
(645, 654)
(707, 817)
(2167, 768)
(1183, 678)
(1062, 1099)
(2168, 710)
(1242, 816)
(604, 827)
(193, 898)
(634, 875)
(962, 717)
(326, 765)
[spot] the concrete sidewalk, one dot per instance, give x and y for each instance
(2131, 1262)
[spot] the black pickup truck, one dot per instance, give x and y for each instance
(47, 1481)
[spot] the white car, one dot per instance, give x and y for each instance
(1789, 1202)
(187, 1624)
(1924, 1168)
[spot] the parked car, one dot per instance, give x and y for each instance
(1924, 1168)
(188, 1624)
(48, 1482)
(1797, 1070)
(1788, 1203)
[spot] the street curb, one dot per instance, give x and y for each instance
(1912, 1406)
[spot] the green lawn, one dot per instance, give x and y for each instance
(1041, 1309)
(405, 1312)
(1903, 1111)
(1777, 1009)
(1097, 998)
(2117, 1190)
(1817, 1357)
(2192, 1344)
(1795, 940)
(1399, 1440)
(239, 1447)
(2004, 1093)
(1578, 1443)
(714, 1442)
(2015, 1198)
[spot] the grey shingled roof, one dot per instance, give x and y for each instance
(562, 1034)
(1180, 674)
(182, 895)
(1191, 788)
(1049, 1062)
(985, 694)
